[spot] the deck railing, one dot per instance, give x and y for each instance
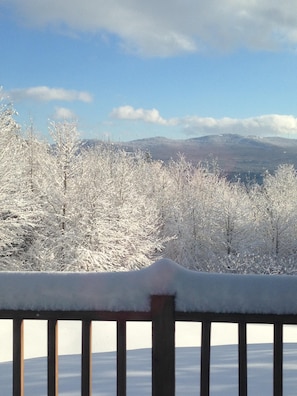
(163, 316)
(162, 294)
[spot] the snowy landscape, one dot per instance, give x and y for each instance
(148, 148)
(80, 228)
(70, 206)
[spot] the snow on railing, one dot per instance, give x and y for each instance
(162, 294)
(131, 291)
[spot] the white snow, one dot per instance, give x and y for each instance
(131, 291)
(223, 379)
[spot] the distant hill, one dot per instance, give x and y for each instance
(237, 156)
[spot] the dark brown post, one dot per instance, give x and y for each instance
(163, 345)
(242, 359)
(278, 360)
(18, 357)
(121, 358)
(52, 357)
(205, 358)
(86, 358)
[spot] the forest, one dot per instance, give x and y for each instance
(66, 206)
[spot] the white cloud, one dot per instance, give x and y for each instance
(129, 113)
(46, 94)
(62, 113)
(168, 27)
(264, 125)
(268, 125)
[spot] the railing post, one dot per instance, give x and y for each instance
(121, 358)
(52, 357)
(18, 357)
(86, 358)
(163, 345)
(205, 358)
(242, 359)
(278, 360)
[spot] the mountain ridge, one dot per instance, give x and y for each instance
(236, 155)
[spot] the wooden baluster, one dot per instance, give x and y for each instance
(18, 357)
(205, 358)
(242, 359)
(52, 357)
(121, 358)
(278, 360)
(86, 358)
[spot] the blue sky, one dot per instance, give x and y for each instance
(130, 69)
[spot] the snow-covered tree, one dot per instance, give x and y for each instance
(276, 212)
(37, 169)
(209, 216)
(16, 213)
(232, 219)
(188, 213)
(119, 221)
(98, 207)
(55, 245)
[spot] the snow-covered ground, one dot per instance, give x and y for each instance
(223, 372)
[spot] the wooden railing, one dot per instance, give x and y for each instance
(163, 317)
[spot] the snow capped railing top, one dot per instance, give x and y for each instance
(131, 291)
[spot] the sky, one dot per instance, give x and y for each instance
(133, 69)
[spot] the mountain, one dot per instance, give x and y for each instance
(237, 156)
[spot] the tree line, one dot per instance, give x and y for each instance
(69, 207)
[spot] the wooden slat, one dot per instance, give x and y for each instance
(278, 360)
(205, 358)
(242, 360)
(77, 315)
(146, 316)
(18, 357)
(163, 346)
(52, 357)
(86, 358)
(235, 317)
(121, 358)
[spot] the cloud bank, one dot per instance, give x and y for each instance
(46, 94)
(170, 27)
(264, 125)
(268, 125)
